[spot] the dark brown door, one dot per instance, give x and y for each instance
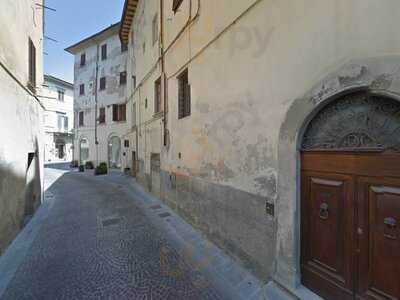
(350, 225)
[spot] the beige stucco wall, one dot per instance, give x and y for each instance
(21, 116)
(249, 62)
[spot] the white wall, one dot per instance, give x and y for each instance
(114, 93)
(21, 116)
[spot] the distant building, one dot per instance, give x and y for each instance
(21, 114)
(58, 98)
(100, 98)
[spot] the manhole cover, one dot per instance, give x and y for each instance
(110, 222)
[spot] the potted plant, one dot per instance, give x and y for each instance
(101, 169)
(89, 165)
(81, 168)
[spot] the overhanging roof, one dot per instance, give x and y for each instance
(99, 36)
(58, 80)
(127, 19)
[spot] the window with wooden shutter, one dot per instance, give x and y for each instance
(102, 115)
(32, 67)
(83, 59)
(102, 83)
(119, 112)
(122, 78)
(176, 4)
(184, 97)
(82, 89)
(104, 52)
(81, 121)
(157, 96)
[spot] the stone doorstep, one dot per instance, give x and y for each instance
(225, 274)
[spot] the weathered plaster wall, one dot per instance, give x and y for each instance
(242, 85)
(114, 93)
(20, 117)
(248, 61)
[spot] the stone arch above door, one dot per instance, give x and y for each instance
(378, 77)
(356, 122)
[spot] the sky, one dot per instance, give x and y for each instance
(73, 21)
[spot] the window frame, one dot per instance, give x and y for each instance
(31, 66)
(81, 118)
(82, 89)
(184, 95)
(103, 83)
(123, 78)
(61, 92)
(102, 115)
(83, 60)
(157, 96)
(119, 112)
(104, 52)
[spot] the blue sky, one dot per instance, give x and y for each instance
(73, 21)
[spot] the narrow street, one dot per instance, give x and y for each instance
(97, 243)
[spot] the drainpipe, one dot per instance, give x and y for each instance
(95, 105)
(163, 81)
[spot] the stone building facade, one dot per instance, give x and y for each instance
(100, 96)
(57, 97)
(21, 114)
(272, 112)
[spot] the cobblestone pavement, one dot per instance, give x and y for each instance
(96, 243)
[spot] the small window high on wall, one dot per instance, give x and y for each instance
(184, 101)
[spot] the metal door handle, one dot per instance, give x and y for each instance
(324, 211)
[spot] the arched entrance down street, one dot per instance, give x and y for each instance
(114, 152)
(83, 151)
(350, 199)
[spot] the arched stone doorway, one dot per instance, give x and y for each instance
(350, 199)
(83, 151)
(375, 75)
(114, 152)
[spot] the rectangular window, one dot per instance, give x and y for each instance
(124, 47)
(65, 123)
(104, 52)
(102, 83)
(155, 29)
(122, 78)
(176, 4)
(134, 114)
(157, 96)
(80, 117)
(32, 67)
(119, 112)
(126, 143)
(102, 115)
(61, 95)
(134, 82)
(82, 89)
(83, 59)
(184, 105)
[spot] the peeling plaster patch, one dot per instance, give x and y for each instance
(352, 74)
(267, 185)
(257, 156)
(219, 171)
(382, 82)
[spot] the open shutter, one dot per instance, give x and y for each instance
(115, 112)
(122, 116)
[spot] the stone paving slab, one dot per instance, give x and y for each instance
(104, 238)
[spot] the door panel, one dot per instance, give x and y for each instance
(379, 217)
(327, 226)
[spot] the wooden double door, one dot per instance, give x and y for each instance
(350, 225)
